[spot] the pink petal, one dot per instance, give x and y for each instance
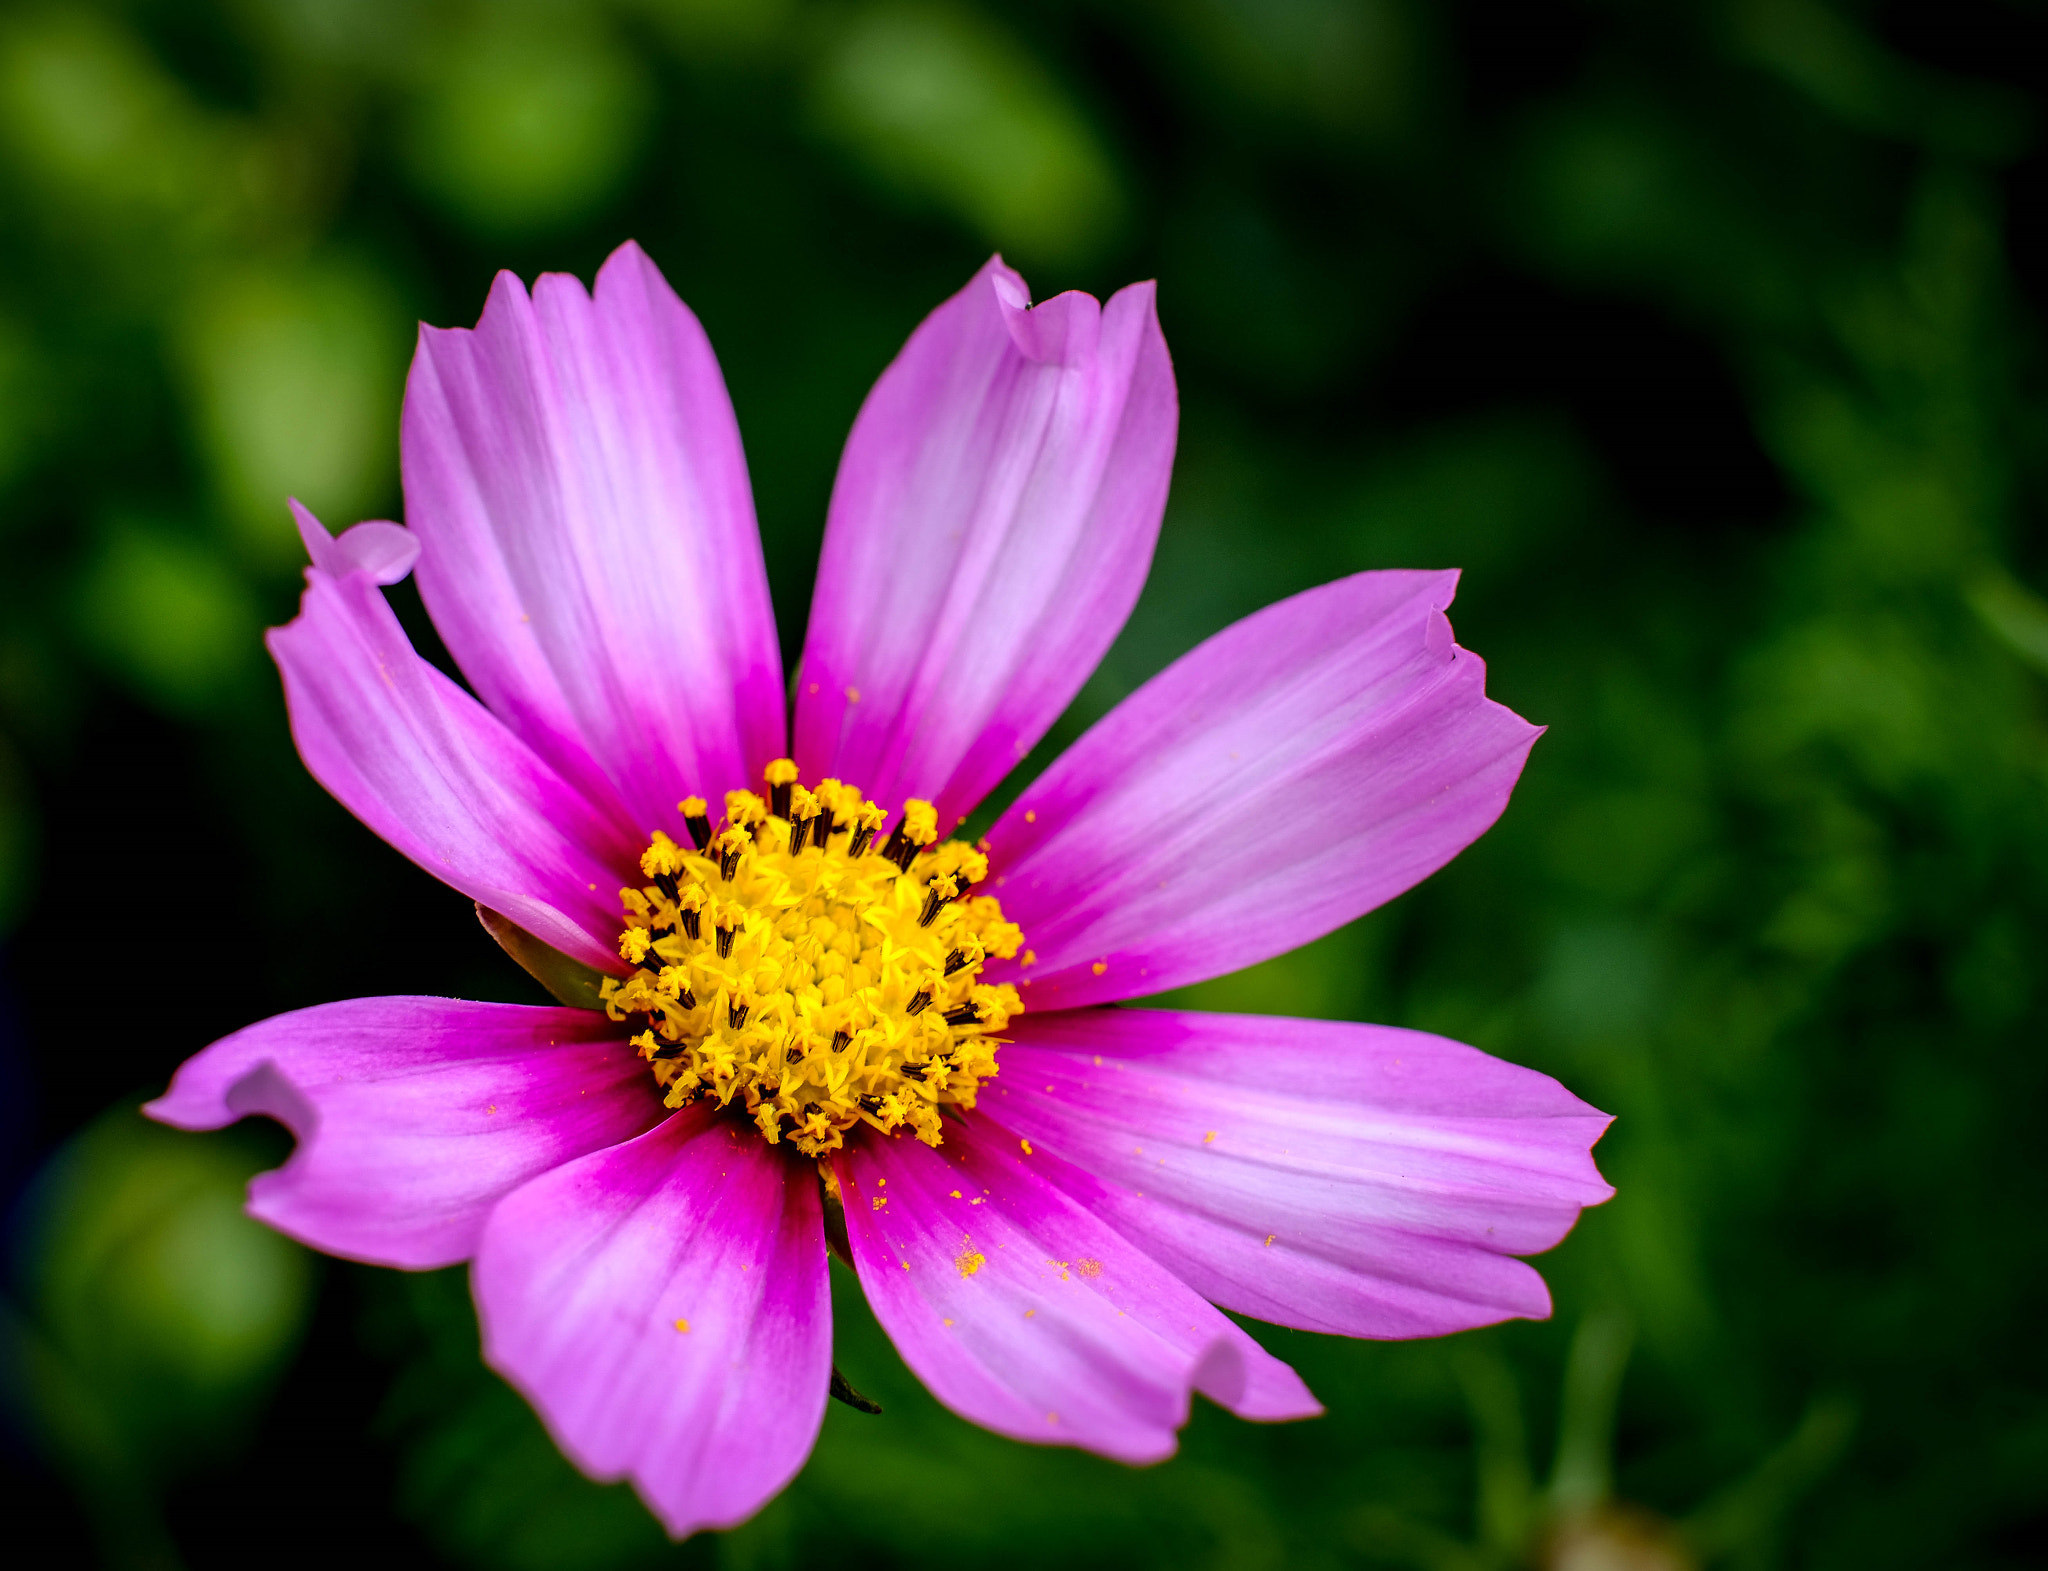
(991, 527)
(1028, 1315)
(1298, 769)
(414, 1115)
(428, 768)
(383, 550)
(573, 470)
(663, 1305)
(1335, 1177)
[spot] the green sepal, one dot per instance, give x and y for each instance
(570, 981)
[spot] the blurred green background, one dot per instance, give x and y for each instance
(1704, 335)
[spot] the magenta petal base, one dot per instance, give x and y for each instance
(663, 1304)
(1027, 1314)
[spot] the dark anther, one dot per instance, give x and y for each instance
(799, 832)
(899, 848)
(669, 1050)
(736, 1016)
(870, 1102)
(725, 943)
(840, 1039)
(862, 839)
(810, 1109)
(822, 833)
(913, 1072)
(795, 1052)
(700, 830)
(956, 961)
(842, 1392)
(920, 1001)
(965, 1015)
(666, 883)
(934, 903)
(651, 962)
(686, 998)
(690, 925)
(778, 798)
(729, 864)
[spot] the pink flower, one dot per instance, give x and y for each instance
(820, 1015)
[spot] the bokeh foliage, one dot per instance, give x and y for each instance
(1702, 334)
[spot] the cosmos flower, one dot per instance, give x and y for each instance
(798, 1016)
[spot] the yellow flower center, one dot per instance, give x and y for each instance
(826, 981)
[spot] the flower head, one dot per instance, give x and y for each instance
(798, 1007)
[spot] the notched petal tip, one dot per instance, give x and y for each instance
(384, 550)
(991, 526)
(1260, 1390)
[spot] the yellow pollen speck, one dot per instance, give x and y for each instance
(1088, 1267)
(1052, 1418)
(880, 1201)
(1029, 1313)
(969, 1261)
(1269, 1239)
(683, 1326)
(956, 1194)
(1098, 1060)
(1099, 967)
(881, 1183)
(946, 1322)
(492, 1108)
(813, 968)
(1030, 817)
(1210, 1136)
(853, 695)
(1026, 1144)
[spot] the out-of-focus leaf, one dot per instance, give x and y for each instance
(531, 120)
(23, 413)
(298, 372)
(1749, 1514)
(1816, 47)
(112, 138)
(166, 613)
(153, 1316)
(479, 1473)
(728, 29)
(950, 109)
(1347, 65)
(2015, 613)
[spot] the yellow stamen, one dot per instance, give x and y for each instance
(811, 975)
